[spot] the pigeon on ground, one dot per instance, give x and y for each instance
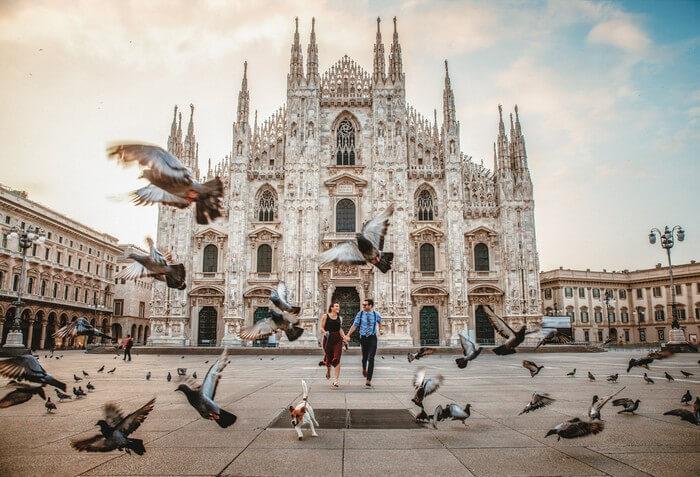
(77, 378)
(367, 247)
(111, 371)
(50, 406)
(181, 371)
(21, 394)
(281, 299)
(627, 405)
(469, 350)
(171, 183)
(590, 376)
(532, 367)
(78, 393)
(425, 386)
(61, 396)
(641, 362)
(169, 377)
(206, 362)
(423, 352)
(513, 338)
(686, 374)
(422, 416)
(598, 403)
(451, 411)
(85, 374)
(668, 376)
(116, 357)
(660, 354)
(148, 376)
(156, 265)
(554, 336)
(80, 327)
(89, 386)
(572, 373)
(613, 377)
(194, 375)
(647, 379)
(687, 397)
(28, 368)
(101, 369)
(274, 323)
(538, 401)
(575, 428)
(115, 430)
(692, 417)
(202, 397)
(182, 357)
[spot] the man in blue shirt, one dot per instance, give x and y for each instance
(369, 322)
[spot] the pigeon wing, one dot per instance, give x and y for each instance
(468, 347)
(156, 255)
(211, 380)
(375, 229)
(419, 377)
(65, 331)
(578, 428)
(151, 194)
(132, 422)
(432, 384)
(500, 326)
(684, 414)
(344, 252)
(529, 365)
(457, 412)
(18, 396)
(601, 402)
(96, 443)
(261, 329)
(159, 161)
(540, 400)
(20, 367)
(281, 297)
(622, 402)
(560, 338)
(113, 415)
(134, 271)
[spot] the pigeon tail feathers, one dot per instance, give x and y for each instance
(294, 332)
(385, 260)
(225, 419)
(503, 350)
(462, 362)
(136, 445)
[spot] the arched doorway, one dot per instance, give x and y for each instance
(484, 329)
(36, 330)
(49, 342)
(349, 301)
(429, 326)
(612, 334)
(140, 334)
(206, 332)
(24, 324)
(146, 334)
(260, 313)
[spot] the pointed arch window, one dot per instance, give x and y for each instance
(345, 216)
(211, 259)
(345, 144)
(267, 206)
(481, 257)
(264, 263)
(425, 206)
(427, 258)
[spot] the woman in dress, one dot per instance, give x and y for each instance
(333, 340)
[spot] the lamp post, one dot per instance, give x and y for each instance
(26, 238)
(677, 339)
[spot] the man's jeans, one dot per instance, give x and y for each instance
(369, 349)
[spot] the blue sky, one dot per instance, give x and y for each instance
(609, 94)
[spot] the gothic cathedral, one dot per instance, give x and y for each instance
(345, 146)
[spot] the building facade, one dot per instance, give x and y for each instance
(68, 276)
(132, 300)
(344, 146)
(638, 305)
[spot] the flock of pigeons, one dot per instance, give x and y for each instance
(426, 385)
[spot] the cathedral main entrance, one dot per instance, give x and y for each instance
(206, 331)
(484, 329)
(429, 323)
(260, 313)
(349, 301)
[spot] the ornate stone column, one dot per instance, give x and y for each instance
(44, 323)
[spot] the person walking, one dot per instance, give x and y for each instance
(333, 340)
(127, 344)
(368, 322)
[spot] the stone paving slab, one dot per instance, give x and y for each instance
(495, 441)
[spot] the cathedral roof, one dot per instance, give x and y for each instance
(346, 84)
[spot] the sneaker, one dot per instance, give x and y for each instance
(335, 384)
(368, 384)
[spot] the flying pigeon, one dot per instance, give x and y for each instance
(21, 394)
(169, 377)
(687, 397)
(80, 327)
(61, 396)
(202, 397)
(85, 374)
(171, 183)
(572, 373)
(668, 376)
(590, 376)
(641, 362)
(101, 369)
(423, 352)
(451, 411)
(115, 430)
(647, 379)
(111, 371)
(627, 405)
(575, 428)
(281, 298)
(28, 368)
(598, 403)
(155, 265)
(89, 386)
(692, 417)
(367, 247)
(613, 377)
(554, 336)
(513, 338)
(77, 378)
(538, 401)
(686, 374)
(275, 322)
(425, 386)
(532, 367)
(148, 376)
(50, 407)
(469, 350)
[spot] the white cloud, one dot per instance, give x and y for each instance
(620, 33)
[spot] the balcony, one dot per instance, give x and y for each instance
(485, 276)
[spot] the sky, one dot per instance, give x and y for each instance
(608, 95)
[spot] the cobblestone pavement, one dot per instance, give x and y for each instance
(496, 440)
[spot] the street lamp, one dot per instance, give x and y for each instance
(26, 238)
(677, 336)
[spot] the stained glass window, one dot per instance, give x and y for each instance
(345, 144)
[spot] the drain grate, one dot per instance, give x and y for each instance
(355, 419)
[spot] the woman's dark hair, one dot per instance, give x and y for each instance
(330, 307)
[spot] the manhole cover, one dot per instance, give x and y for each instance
(355, 419)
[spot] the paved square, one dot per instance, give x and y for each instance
(496, 440)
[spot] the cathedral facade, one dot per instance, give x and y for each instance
(344, 146)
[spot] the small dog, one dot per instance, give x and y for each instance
(303, 413)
